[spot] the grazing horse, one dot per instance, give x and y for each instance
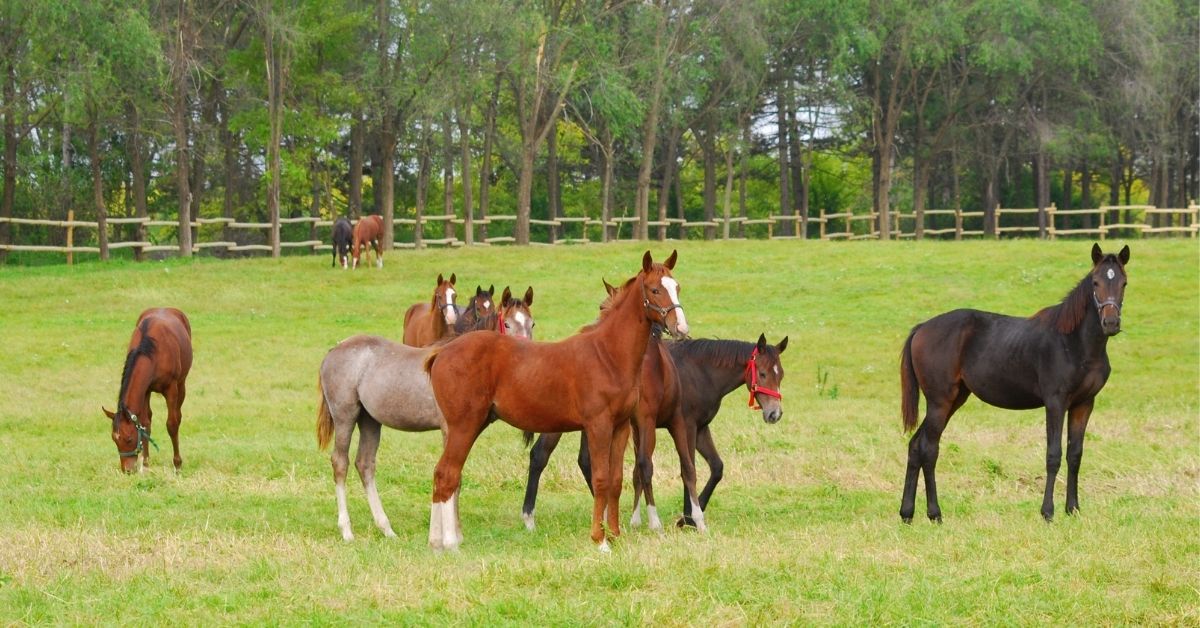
(1057, 359)
(427, 323)
(586, 382)
(682, 391)
(159, 358)
(368, 232)
(371, 381)
(343, 233)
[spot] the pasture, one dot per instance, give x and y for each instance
(803, 529)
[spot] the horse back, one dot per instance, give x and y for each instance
(172, 334)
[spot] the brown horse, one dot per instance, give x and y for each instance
(1056, 359)
(427, 323)
(513, 316)
(587, 382)
(159, 358)
(368, 232)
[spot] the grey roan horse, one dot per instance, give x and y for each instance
(371, 381)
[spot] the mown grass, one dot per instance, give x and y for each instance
(803, 529)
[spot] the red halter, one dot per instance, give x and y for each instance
(500, 313)
(753, 383)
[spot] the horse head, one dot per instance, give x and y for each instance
(443, 299)
(764, 374)
(129, 436)
(515, 318)
(1108, 287)
(480, 307)
(660, 295)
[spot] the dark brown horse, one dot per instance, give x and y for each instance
(343, 234)
(479, 312)
(158, 360)
(427, 323)
(509, 317)
(585, 382)
(368, 232)
(1057, 359)
(682, 390)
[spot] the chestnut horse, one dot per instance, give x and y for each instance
(510, 317)
(370, 381)
(588, 382)
(1057, 359)
(368, 232)
(159, 358)
(514, 316)
(426, 323)
(343, 233)
(682, 391)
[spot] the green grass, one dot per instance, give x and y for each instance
(803, 529)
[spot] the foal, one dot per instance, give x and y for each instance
(343, 233)
(368, 232)
(585, 382)
(426, 323)
(1057, 359)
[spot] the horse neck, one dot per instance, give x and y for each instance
(437, 318)
(133, 397)
(625, 332)
(1090, 336)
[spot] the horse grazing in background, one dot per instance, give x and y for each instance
(426, 323)
(370, 381)
(368, 232)
(1057, 359)
(158, 360)
(587, 382)
(343, 233)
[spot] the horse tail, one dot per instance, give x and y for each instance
(427, 365)
(324, 420)
(528, 437)
(909, 391)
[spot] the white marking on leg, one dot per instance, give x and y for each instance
(603, 547)
(527, 517)
(672, 287)
(635, 519)
(343, 513)
(655, 522)
(698, 517)
(381, 519)
(379, 261)
(435, 525)
(449, 525)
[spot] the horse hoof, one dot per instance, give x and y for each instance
(604, 548)
(528, 519)
(685, 522)
(906, 520)
(389, 533)
(935, 519)
(347, 536)
(635, 521)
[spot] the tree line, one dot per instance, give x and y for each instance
(650, 109)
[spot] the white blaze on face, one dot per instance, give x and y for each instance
(1111, 273)
(487, 305)
(672, 287)
(522, 323)
(451, 312)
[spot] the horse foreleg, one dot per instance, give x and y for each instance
(616, 470)
(175, 399)
(584, 461)
(378, 254)
(1077, 420)
(599, 438)
(539, 456)
(447, 477)
(364, 461)
(716, 467)
(1054, 428)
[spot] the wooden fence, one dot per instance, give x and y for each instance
(829, 226)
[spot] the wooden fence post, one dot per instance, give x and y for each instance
(957, 223)
(1050, 221)
(821, 229)
(1103, 229)
(849, 231)
(801, 230)
(996, 222)
(70, 236)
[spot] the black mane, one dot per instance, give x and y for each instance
(719, 353)
(1067, 315)
(145, 347)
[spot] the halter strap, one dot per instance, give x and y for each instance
(1101, 304)
(752, 382)
(500, 314)
(142, 435)
(662, 311)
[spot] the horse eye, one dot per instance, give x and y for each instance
(654, 290)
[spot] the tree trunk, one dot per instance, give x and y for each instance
(781, 122)
(670, 174)
(747, 139)
(1085, 193)
(553, 191)
(709, 150)
(607, 152)
(485, 167)
(650, 129)
(464, 142)
(274, 67)
(314, 208)
(1042, 189)
(179, 121)
(424, 166)
(385, 182)
(921, 174)
(357, 146)
(524, 194)
(10, 153)
(98, 187)
(228, 162)
(137, 175)
(447, 175)
(727, 209)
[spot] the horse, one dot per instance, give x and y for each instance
(342, 235)
(368, 232)
(426, 323)
(1056, 359)
(682, 391)
(513, 317)
(158, 360)
(587, 381)
(479, 313)
(371, 381)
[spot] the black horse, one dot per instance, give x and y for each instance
(342, 234)
(1055, 359)
(708, 370)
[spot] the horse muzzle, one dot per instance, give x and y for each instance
(1111, 326)
(772, 415)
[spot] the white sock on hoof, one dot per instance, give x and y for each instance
(450, 538)
(635, 519)
(435, 526)
(655, 522)
(528, 519)
(603, 547)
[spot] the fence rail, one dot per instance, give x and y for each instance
(829, 226)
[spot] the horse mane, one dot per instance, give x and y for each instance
(718, 353)
(1065, 317)
(145, 347)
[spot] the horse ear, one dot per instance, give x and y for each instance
(529, 296)
(491, 290)
(609, 288)
(762, 343)
(506, 297)
(111, 416)
(440, 280)
(782, 344)
(1124, 255)
(670, 263)
(453, 279)
(646, 262)
(1097, 254)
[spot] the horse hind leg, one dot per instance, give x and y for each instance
(644, 440)
(368, 446)
(175, 399)
(539, 457)
(343, 429)
(929, 445)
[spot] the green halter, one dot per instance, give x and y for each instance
(143, 435)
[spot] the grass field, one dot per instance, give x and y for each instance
(802, 530)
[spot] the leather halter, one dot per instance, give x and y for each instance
(752, 382)
(143, 435)
(662, 311)
(1100, 305)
